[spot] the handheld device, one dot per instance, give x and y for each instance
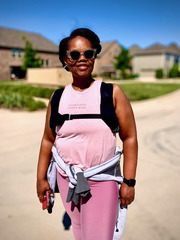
(48, 202)
(45, 202)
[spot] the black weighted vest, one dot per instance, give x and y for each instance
(107, 114)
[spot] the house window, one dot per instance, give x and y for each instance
(176, 59)
(13, 52)
(42, 62)
(19, 53)
(47, 62)
(116, 52)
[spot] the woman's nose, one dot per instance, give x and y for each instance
(82, 56)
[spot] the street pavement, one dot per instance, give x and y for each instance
(155, 213)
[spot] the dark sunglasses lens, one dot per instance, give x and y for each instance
(75, 55)
(89, 54)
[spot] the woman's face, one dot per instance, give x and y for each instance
(81, 68)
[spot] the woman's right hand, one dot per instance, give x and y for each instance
(42, 187)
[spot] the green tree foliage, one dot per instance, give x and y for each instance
(29, 58)
(174, 71)
(159, 73)
(123, 62)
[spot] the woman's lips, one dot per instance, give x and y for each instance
(82, 67)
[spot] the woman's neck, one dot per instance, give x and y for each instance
(82, 84)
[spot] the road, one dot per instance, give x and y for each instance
(155, 213)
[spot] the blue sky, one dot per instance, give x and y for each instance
(128, 22)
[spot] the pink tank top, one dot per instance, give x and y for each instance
(84, 142)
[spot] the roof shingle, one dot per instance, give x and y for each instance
(11, 38)
(158, 49)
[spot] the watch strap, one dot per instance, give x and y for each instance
(130, 182)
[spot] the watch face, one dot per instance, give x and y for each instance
(132, 183)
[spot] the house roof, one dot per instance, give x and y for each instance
(105, 47)
(158, 49)
(133, 49)
(11, 38)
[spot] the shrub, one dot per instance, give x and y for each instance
(12, 101)
(132, 76)
(16, 100)
(35, 105)
(159, 73)
(174, 71)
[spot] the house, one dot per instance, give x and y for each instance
(11, 51)
(104, 60)
(146, 61)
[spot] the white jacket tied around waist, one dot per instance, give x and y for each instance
(78, 184)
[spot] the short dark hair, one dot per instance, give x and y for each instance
(83, 32)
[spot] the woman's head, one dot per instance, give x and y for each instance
(83, 33)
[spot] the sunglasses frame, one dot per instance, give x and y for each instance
(81, 53)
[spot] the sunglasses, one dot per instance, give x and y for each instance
(88, 54)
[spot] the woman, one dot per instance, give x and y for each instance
(85, 143)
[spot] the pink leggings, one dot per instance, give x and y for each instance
(95, 216)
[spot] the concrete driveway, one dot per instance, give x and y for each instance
(155, 214)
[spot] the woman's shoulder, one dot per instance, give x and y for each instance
(117, 91)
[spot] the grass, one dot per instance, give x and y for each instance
(28, 90)
(19, 95)
(142, 91)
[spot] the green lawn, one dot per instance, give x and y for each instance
(20, 95)
(142, 91)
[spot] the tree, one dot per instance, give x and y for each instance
(29, 58)
(123, 62)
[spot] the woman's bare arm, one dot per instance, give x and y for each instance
(44, 157)
(128, 135)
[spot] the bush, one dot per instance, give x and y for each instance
(132, 76)
(35, 105)
(16, 100)
(12, 101)
(174, 71)
(159, 73)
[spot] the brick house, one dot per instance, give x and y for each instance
(104, 61)
(11, 51)
(146, 61)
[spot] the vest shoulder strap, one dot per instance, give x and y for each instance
(107, 108)
(54, 107)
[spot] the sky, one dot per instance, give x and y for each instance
(128, 22)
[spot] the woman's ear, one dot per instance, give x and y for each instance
(66, 65)
(65, 60)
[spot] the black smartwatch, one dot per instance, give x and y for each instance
(130, 182)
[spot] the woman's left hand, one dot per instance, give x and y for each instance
(126, 194)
